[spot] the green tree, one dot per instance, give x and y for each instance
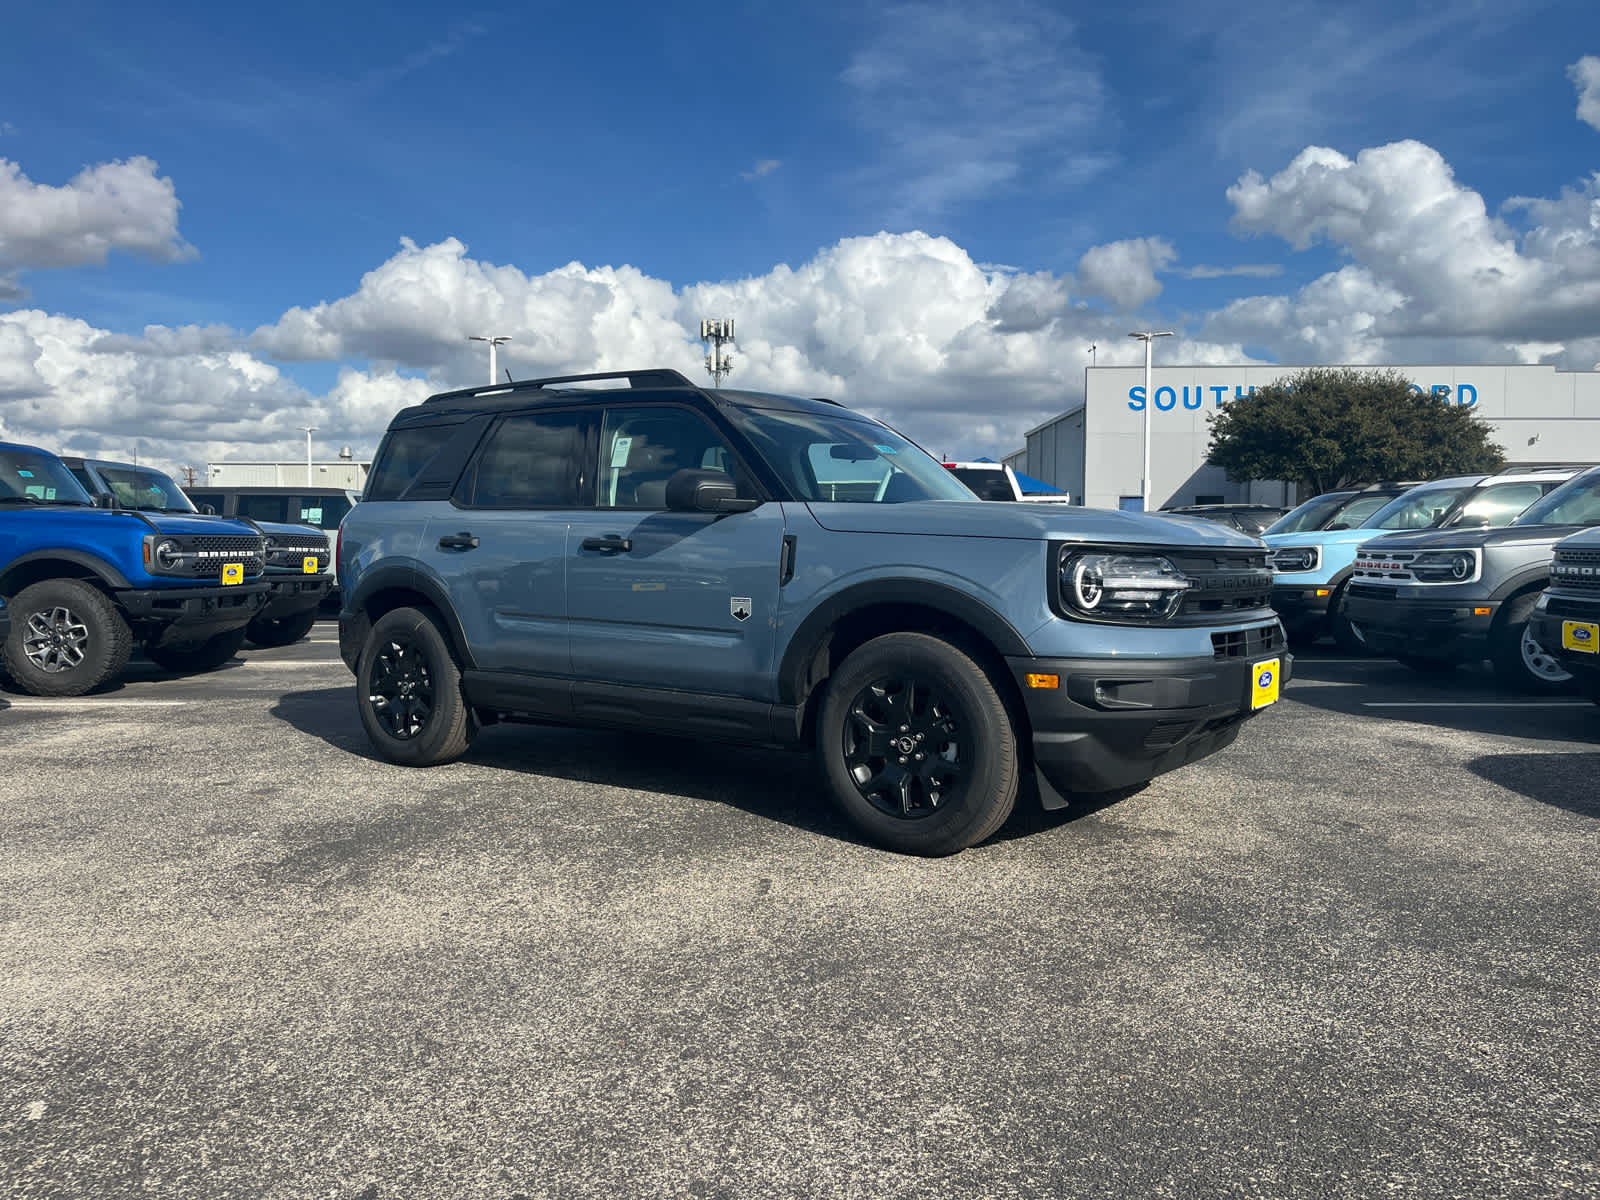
(1330, 427)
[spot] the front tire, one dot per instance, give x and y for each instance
(1346, 636)
(268, 632)
(1519, 661)
(193, 658)
(917, 745)
(67, 638)
(408, 689)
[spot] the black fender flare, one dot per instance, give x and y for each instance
(1521, 582)
(400, 577)
(813, 631)
(98, 567)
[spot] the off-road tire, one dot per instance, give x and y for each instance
(88, 628)
(408, 691)
(267, 632)
(1519, 661)
(194, 658)
(886, 693)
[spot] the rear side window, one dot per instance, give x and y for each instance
(264, 508)
(985, 485)
(529, 461)
(401, 458)
(1498, 503)
(324, 512)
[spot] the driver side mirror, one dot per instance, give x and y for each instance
(695, 489)
(209, 510)
(105, 500)
(1475, 521)
(1337, 525)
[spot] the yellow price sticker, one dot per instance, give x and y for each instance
(309, 564)
(1264, 685)
(232, 572)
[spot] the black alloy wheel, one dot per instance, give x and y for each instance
(919, 748)
(408, 687)
(905, 745)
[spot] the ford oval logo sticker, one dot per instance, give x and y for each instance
(1581, 635)
(1265, 678)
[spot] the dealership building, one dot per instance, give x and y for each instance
(1095, 452)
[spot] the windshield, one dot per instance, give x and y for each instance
(143, 488)
(1576, 502)
(824, 457)
(1420, 508)
(33, 476)
(1310, 515)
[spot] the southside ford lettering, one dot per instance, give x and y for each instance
(1168, 398)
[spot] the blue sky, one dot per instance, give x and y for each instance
(1069, 163)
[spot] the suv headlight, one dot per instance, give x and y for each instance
(1122, 585)
(1296, 558)
(1445, 566)
(162, 554)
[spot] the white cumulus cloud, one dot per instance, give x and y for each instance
(1125, 272)
(1585, 73)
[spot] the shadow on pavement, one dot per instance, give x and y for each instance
(1569, 781)
(1468, 700)
(780, 785)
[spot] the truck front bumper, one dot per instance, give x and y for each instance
(1453, 630)
(1565, 624)
(293, 594)
(185, 614)
(1302, 607)
(1111, 724)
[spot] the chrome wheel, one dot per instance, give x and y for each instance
(55, 640)
(1540, 663)
(401, 694)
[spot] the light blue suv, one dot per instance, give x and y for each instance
(1312, 566)
(743, 566)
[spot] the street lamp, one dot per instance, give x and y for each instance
(495, 340)
(309, 430)
(1147, 336)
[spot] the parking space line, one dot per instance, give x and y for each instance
(1477, 704)
(44, 703)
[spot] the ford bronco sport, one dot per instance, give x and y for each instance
(755, 567)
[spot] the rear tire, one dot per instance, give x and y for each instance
(408, 690)
(917, 746)
(67, 638)
(1519, 661)
(193, 658)
(267, 632)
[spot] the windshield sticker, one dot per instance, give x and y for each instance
(885, 449)
(619, 452)
(24, 474)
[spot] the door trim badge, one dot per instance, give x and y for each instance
(739, 608)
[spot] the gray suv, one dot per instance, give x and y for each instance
(1440, 598)
(743, 566)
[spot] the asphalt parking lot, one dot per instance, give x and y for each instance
(1354, 955)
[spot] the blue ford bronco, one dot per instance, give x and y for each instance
(298, 557)
(84, 581)
(744, 566)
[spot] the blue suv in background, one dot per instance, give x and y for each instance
(84, 582)
(1311, 567)
(753, 567)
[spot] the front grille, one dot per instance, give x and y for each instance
(1225, 582)
(1576, 570)
(1582, 610)
(292, 553)
(1371, 591)
(1246, 643)
(205, 554)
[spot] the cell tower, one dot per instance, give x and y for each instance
(718, 361)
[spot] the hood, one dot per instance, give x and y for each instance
(194, 524)
(1506, 535)
(280, 529)
(1321, 537)
(1589, 539)
(1028, 522)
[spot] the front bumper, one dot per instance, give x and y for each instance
(1547, 626)
(1301, 606)
(1456, 630)
(293, 594)
(1114, 723)
(187, 612)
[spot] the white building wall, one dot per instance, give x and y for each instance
(345, 473)
(1539, 415)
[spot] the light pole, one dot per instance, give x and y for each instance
(493, 340)
(1147, 337)
(310, 429)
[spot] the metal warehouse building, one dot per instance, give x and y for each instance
(1096, 451)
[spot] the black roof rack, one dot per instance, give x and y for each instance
(659, 377)
(1531, 468)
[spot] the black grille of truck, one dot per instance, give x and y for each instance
(1576, 570)
(1225, 582)
(292, 552)
(206, 554)
(1246, 643)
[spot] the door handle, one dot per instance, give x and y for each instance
(610, 544)
(458, 541)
